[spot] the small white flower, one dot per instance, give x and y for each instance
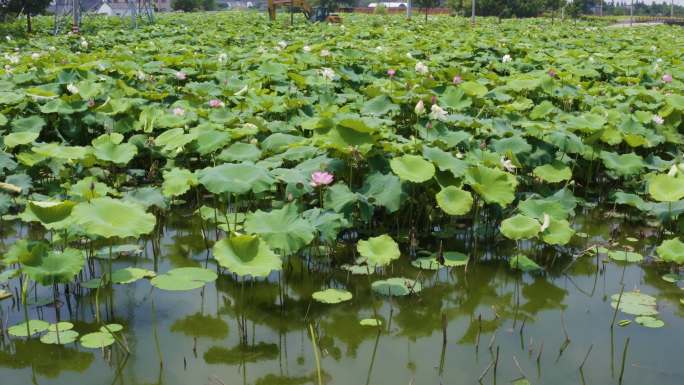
(591, 59)
(84, 43)
(659, 60)
(437, 112)
(328, 74)
(72, 89)
(178, 111)
(52, 48)
(306, 48)
(8, 37)
(422, 68)
(673, 170)
(13, 59)
(654, 48)
(657, 119)
(222, 58)
(506, 58)
(379, 48)
(546, 223)
(141, 76)
(35, 56)
(507, 164)
(408, 55)
(324, 53)
(420, 108)
(8, 68)
(282, 44)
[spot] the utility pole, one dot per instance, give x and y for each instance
(631, 13)
(75, 20)
(672, 9)
(472, 17)
(408, 9)
(601, 8)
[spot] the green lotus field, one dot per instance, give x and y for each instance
(383, 179)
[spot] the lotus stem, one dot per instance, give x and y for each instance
(316, 356)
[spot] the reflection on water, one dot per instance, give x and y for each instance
(540, 325)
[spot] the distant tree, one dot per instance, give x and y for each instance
(185, 5)
(426, 5)
(23, 7)
(209, 5)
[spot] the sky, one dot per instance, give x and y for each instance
(680, 2)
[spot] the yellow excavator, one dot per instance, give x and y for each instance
(313, 14)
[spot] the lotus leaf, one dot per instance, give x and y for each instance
(412, 168)
(246, 255)
(396, 287)
(378, 251)
(332, 296)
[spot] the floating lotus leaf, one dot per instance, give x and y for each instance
(625, 256)
(396, 287)
(413, 168)
(107, 217)
(332, 296)
(635, 303)
(649, 322)
(671, 250)
(61, 338)
(666, 188)
(51, 211)
(520, 227)
(426, 263)
(378, 251)
(111, 328)
(131, 274)
(559, 232)
(56, 267)
(97, 340)
(246, 255)
(370, 322)
(4, 294)
(18, 138)
(34, 327)
(184, 278)
(523, 263)
(553, 172)
(108, 148)
(61, 326)
(454, 201)
(493, 185)
(235, 178)
(283, 229)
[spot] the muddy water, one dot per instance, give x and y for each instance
(542, 325)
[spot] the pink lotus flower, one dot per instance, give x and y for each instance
(215, 103)
(178, 111)
(91, 103)
(391, 72)
(180, 75)
(657, 119)
(457, 80)
(552, 73)
(667, 78)
(321, 178)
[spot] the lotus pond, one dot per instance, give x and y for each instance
(218, 200)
